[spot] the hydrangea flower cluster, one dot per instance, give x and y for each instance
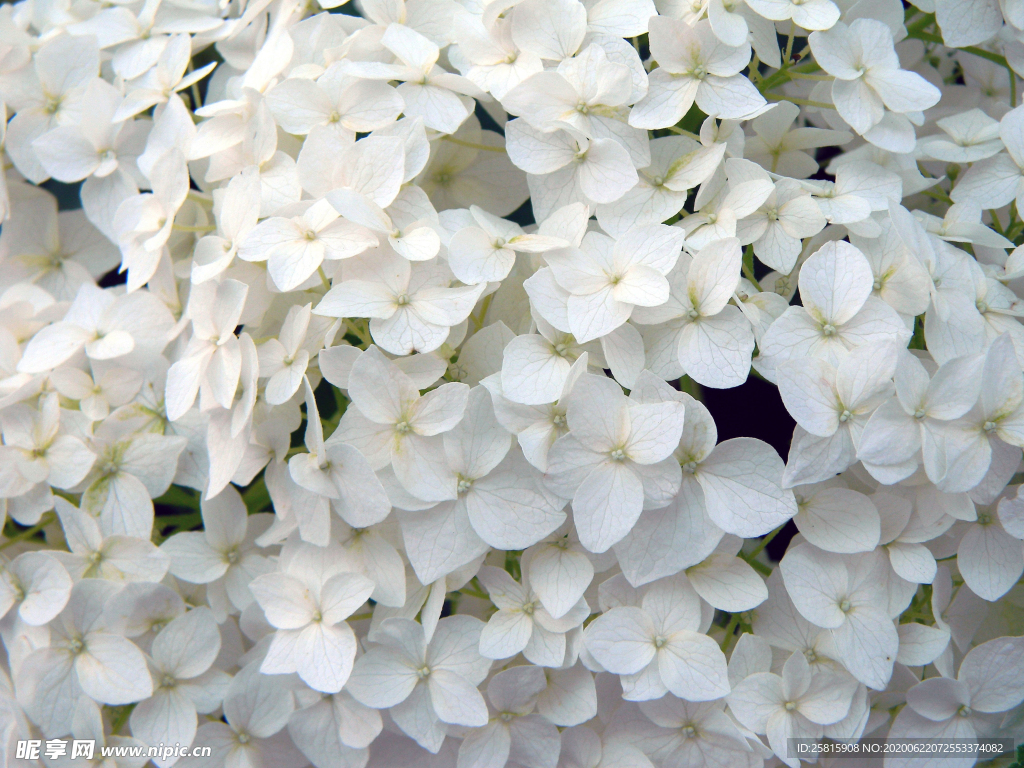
(320, 449)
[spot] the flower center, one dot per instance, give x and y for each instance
(403, 427)
(617, 455)
(828, 329)
(845, 416)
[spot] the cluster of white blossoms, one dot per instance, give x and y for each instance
(317, 449)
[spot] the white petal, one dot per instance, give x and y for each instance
(113, 670)
(607, 504)
(693, 667)
(728, 583)
(455, 700)
(506, 634)
(742, 487)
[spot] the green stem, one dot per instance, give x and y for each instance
(118, 721)
(691, 387)
(28, 533)
(801, 76)
(920, 25)
(789, 41)
(323, 278)
(760, 567)
(472, 145)
(799, 102)
(918, 33)
(748, 267)
(512, 566)
(995, 58)
(730, 632)
(359, 333)
(940, 196)
(196, 230)
(682, 132)
(996, 225)
(478, 320)
(764, 542)
(784, 75)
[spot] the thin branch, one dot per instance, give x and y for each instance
(44, 521)
(799, 102)
(472, 145)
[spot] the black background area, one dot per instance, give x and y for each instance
(755, 409)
